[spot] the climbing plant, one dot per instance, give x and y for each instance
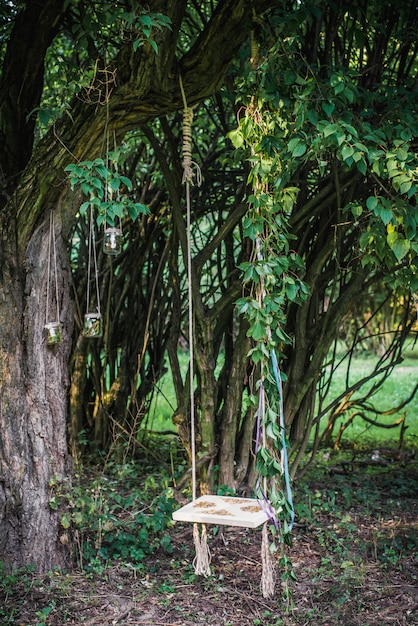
(321, 141)
(271, 276)
(336, 136)
(106, 189)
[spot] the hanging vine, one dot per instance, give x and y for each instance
(271, 278)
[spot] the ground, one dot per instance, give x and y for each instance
(354, 553)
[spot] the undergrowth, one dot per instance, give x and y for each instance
(355, 530)
(115, 512)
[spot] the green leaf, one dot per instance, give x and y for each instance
(44, 116)
(142, 208)
(291, 291)
(97, 183)
(65, 520)
(349, 94)
(299, 150)
(257, 331)
(127, 182)
(236, 138)
(87, 188)
(405, 187)
(102, 170)
(312, 116)
(372, 203)
(360, 146)
(386, 215)
(328, 107)
(392, 165)
(347, 152)
(146, 21)
(362, 167)
(399, 246)
(293, 143)
(115, 184)
(330, 129)
(101, 218)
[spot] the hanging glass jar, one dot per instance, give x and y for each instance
(53, 329)
(93, 325)
(53, 333)
(112, 242)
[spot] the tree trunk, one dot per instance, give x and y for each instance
(34, 382)
(232, 472)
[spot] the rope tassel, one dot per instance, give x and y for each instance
(201, 562)
(267, 577)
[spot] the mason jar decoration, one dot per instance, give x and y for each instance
(112, 242)
(53, 333)
(93, 325)
(53, 329)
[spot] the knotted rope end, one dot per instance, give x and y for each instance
(201, 562)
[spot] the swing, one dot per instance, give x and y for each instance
(214, 509)
(52, 328)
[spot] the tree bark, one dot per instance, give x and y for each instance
(33, 404)
(21, 83)
(232, 472)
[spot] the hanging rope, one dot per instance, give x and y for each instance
(202, 559)
(267, 583)
(52, 250)
(108, 192)
(187, 163)
(92, 254)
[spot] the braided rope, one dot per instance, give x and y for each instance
(52, 252)
(201, 562)
(187, 163)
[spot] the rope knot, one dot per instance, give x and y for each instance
(188, 172)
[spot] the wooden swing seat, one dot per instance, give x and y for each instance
(223, 510)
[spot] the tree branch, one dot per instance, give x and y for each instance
(21, 81)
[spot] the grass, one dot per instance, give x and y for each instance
(395, 390)
(163, 405)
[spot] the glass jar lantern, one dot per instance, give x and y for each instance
(93, 325)
(53, 333)
(112, 242)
